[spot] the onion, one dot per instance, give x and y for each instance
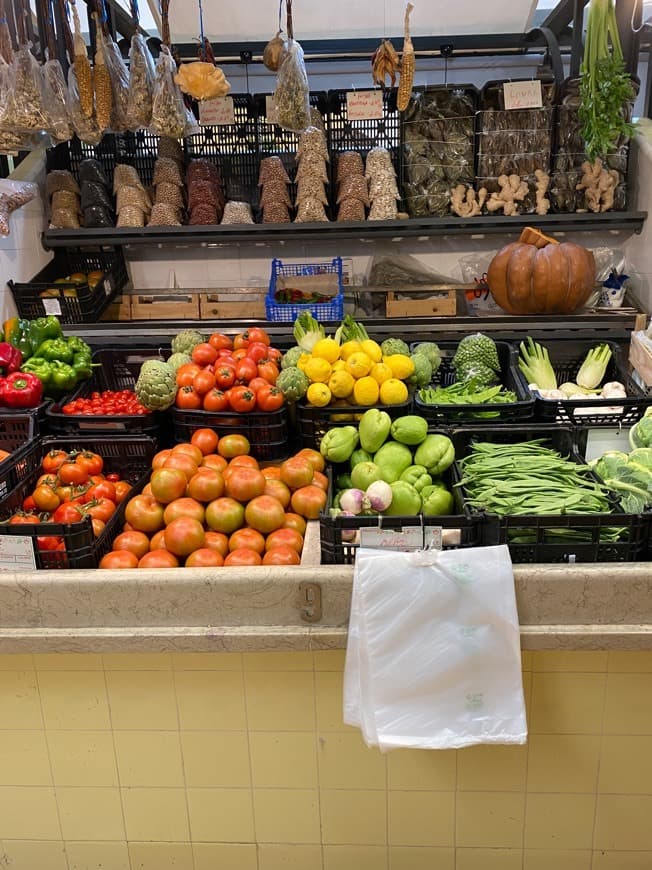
(379, 494)
(353, 501)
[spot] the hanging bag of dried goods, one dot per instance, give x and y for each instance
(102, 82)
(292, 94)
(6, 43)
(81, 94)
(55, 89)
(118, 76)
(141, 78)
(23, 110)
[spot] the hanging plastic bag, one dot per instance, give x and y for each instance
(292, 94)
(433, 659)
(85, 127)
(119, 80)
(55, 101)
(13, 195)
(6, 44)
(168, 109)
(23, 110)
(141, 84)
(10, 141)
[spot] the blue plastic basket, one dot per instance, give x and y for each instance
(287, 311)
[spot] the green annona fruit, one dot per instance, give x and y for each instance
(156, 386)
(186, 340)
(177, 360)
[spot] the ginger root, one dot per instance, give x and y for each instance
(543, 182)
(512, 191)
(599, 185)
(466, 202)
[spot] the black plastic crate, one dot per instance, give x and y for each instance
(267, 432)
(139, 149)
(339, 535)
(510, 377)
(313, 423)
(566, 357)
(17, 433)
(72, 303)
(362, 136)
(130, 456)
(553, 538)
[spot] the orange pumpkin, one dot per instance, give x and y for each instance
(537, 275)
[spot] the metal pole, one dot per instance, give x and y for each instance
(630, 40)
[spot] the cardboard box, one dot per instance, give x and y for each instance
(436, 300)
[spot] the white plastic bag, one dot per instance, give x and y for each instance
(433, 659)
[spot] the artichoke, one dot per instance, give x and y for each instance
(293, 383)
(156, 386)
(394, 345)
(186, 340)
(291, 357)
(178, 359)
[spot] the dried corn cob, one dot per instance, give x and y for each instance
(407, 65)
(103, 93)
(83, 69)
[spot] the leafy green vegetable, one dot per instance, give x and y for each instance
(473, 392)
(534, 362)
(307, 331)
(605, 86)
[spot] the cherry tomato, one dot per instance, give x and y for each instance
(113, 476)
(242, 399)
(269, 398)
(215, 400)
(188, 398)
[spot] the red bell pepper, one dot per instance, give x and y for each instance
(20, 390)
(10, 358)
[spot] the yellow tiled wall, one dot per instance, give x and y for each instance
(241, 762)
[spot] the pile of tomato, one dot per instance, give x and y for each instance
(72, 486)
(228, 374)
(108, 403)
(209, 504)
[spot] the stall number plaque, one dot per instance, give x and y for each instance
(523, 95)
(218, 112)
(364, 105)
(405, 539)
(17, 553)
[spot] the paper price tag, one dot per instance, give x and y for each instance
(17, 553)
(364, 105)
(270, 109)
(410, 538)
(433, 537)
(52, 306)
(108, 288)
(523, 95)
(217, 112)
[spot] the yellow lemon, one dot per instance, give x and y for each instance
(348, 348)
(393, 392)
(303, 359)
(381, 373)
(372, 349)
(328, 349)
(400, 364)
(358, 364)
(318, 394)
(365, 391)
(318, 370)
(339, 366)
(341, 384)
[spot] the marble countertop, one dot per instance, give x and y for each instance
(198, 609)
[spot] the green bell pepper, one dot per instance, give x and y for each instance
(418, 476)
(81, 362)
(78, 345)
(39, 367)
(16, 332)
(55, 349)
(43, 328)
(63, 377)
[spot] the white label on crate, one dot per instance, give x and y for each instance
(364, 105)
(433, 537)
(407, 538)
(523, 95)
(108, 289)
(217, 112)
(270, 109)
(17, 553)
(52, 306)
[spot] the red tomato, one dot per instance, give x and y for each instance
(49, 542)
(53, 460)
(265, 514)
(71, 472)
(233, 445)
(281, 556)
(135, 542)
(215, 400)
(113, 476)
(224, 377)
(269, 398)
(274, 354)
(244, 483)
(220, 341)
(224, 515)
(247, 539)
(103, 489)
(217, 541)
(144, 513)
(242, 399)
(160, 458)
(277, 489)
(214, 460)
(257, 351)
(242, 558)
(204, 354)
(122, 490)
(186, 374)
(257, 334)
(91, 462)
(206, 485)
(285, 538)
(98, 527)
(203, 382)
(320, 480)
(272, 472)
(47, 479)
(244, 459)
(313, 456)
(184, 535)
(22, 519)
(309, 501)
(188, 399)
(205, 439)
(257, 383)
(183, 507)
(168, 484)
(205, 558)
(246, 370)
(68, 513)
(101, 509)
(118, 559)
(296, 472)
(159, 559)
(29, 504)
(45, 498)
(190, 450)
(158, 540)
(241, 341)
(183, 462)
(268, 370)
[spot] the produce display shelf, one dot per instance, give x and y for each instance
(630, 221)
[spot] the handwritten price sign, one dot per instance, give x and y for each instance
(523, 95)
(217, 112)
(364, 105)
